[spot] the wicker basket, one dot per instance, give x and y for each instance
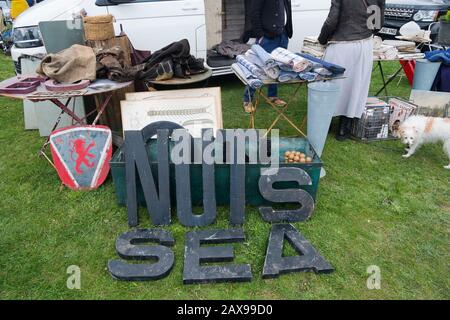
(99, 27)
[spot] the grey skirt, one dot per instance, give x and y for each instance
(357, 58)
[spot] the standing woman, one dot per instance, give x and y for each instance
(348, 31)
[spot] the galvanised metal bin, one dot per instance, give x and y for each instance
(222, 175)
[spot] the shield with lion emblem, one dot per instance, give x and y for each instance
(81, 155)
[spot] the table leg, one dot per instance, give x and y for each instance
(65, 108)
(102, 109)
(80, 121)
(380, 67)
(58, 120)
(255, 105)
(282, 110)
(386, 83)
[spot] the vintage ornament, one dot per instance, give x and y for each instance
(81, 155)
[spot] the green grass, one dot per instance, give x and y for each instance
(374, 208)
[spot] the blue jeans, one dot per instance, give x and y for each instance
(269, 45)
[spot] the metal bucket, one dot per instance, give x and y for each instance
(424, 74)
(322, 103)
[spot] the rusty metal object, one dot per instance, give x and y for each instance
(52, 85)
(23, 86)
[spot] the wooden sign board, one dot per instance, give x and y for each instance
(192, 109)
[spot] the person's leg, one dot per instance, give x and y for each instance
(248, 94)
(269, 45)
(284, 42)
(272, 91)
(344, 128)
(248, 98)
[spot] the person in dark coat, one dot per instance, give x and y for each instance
(271, 25)
(348, 33)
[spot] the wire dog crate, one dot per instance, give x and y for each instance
(374, 123)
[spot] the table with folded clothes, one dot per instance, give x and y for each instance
(258, 68)
(405, 51)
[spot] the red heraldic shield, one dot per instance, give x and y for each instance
(81, 155)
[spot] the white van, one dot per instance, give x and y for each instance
(153, 24)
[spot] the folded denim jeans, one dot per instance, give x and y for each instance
(335, 69)
(244, 73)
(286, 76)
(253, 68)
(270, 66)
(308, 76)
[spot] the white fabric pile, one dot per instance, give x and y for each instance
(401, 45)
(295, 62)
(382, 51)
(385, 53)
(406, 49)
(312, 46)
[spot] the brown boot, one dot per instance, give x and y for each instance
(248, 107)
(277, 101)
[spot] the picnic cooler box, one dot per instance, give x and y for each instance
(374, 122)
(222, 175)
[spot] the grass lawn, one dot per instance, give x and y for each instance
(374, 208)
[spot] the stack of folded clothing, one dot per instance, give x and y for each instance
(312, 46)
(406, 49)
(231, 48)
(293, 61)
(246, 74)
(257, 65)
(403, 46)
(385, 52)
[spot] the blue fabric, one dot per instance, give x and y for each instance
(308, 76)
(269, 45)
(252, 81)
(439, 56)
(286, 76)
(442, 81)
(254, 69)
(270, 66)
(335, 69)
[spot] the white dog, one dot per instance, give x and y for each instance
(418, 130)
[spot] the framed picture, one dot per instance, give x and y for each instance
(431, 103)
(193, 109)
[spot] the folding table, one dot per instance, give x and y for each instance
(259, 95)
(97, 88)
(387, 81)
